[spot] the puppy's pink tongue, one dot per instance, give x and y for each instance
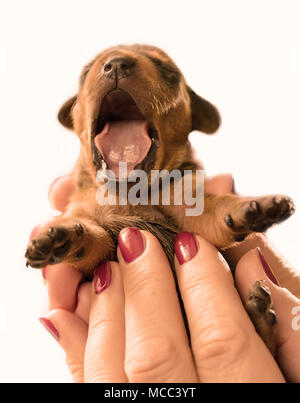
(123, 141)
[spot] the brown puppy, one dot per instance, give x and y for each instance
(133, 105)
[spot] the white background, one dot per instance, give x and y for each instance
(242, 55)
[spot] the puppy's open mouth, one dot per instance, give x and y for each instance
(121, 134)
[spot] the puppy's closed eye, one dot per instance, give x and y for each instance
(169, 73)
(84, 73)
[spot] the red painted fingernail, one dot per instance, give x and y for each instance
(50, 327)
(267, 268)
(185, 246)
(102, 277)
(131, 244)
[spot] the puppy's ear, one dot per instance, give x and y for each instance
(64, 114)
(205, 116)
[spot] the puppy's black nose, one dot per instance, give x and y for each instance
(118, 67)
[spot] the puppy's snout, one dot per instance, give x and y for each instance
(118, 67)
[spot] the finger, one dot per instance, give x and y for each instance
(59, 295)
(62, 281)
(71, 334)
(225, 345)
(220, 184)
(83, 305)
(105, 348)
(60, 191)
(286, 276)
(157, 348)
(34, 231)
(252, 267)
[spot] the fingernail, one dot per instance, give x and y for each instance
(131, 244)
(44, 272)
(102, 277)
(267, 268)
(233, 186)
(76, 298)
(50, 327)
(185, 246)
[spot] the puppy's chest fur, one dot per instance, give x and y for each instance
(114, 218)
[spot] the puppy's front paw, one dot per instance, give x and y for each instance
(258, 215)
(260, 309)
(54, 246)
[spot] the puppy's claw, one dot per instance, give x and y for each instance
(229, 221)
(78, 229)
(252, 211)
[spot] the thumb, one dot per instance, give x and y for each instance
(60, 192)
(220, 184)
(71, 333)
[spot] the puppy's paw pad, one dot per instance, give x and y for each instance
(58, 234)
(52, 246)
(252, 211)
(260, 309)
(271, 317)
(258, 215)
(281, 208)
(260, 297)
(259, 304)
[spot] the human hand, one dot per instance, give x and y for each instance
(73, 330)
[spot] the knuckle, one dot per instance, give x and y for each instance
(143, 287)
(224, 345)
(76, 368)
(195, 282)
(94, 374)
(99, 324)
(151, 359)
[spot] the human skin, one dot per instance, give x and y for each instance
(137, 302)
